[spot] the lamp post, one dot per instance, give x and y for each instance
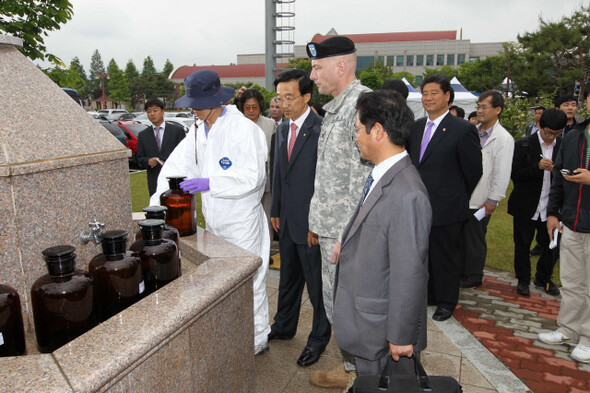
(104, 98)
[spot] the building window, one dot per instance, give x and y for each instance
(363, 62)
(473, 58)
(460, 58)
(419, 60)
(418, 80)
(451, 59)
(399, 61)
(410, 60)
(381, 60)
(440, 60)
(390, 61)
(429, 60)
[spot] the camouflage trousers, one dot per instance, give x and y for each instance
(328, 277)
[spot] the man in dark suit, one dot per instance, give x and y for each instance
(293, 185)
(531, 173)
(446, 151)
(155, 143)
(382, 272)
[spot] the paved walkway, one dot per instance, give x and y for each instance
(489, 346)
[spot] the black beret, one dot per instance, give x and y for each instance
(333, 46)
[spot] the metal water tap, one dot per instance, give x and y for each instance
(92, 235)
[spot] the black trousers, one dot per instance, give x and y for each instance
(300, 265)
(474, 248)
(524, 232)
(444, 265)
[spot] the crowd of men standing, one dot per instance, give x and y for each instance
(379, 214)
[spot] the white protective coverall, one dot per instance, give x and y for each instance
(233, 157)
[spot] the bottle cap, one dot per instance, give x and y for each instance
(60, 260)
(151, 229)
(174, 181)
(157, 212)
(114, 242)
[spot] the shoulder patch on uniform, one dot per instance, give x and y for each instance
(225, 163)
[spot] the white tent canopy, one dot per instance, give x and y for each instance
(463, 98)
(414, 100)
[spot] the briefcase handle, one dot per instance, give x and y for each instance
(421, 376)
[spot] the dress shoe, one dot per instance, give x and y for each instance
(523, 288)
(470, 283)
(309, 356)
(335, 378)
(276, 336)
(549, 287)
(442, 314)
(536, 251)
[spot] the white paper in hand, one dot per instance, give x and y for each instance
(480, 214)
(553, 243)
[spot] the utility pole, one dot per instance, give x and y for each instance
(104, 97)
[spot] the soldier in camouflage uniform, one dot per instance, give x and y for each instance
(340, 173)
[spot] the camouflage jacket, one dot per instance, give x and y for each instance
(340, 175)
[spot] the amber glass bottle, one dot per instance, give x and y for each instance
(168, 232)
(182, 208)
(63, 300)
(12, 333)
(117, 275)
(159, 257)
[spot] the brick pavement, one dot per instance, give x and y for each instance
(507, 325)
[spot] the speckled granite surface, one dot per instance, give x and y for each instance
(59, 169)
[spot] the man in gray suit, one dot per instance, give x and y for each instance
(382, 262)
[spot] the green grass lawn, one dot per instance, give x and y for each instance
(499, 237)
(140, 196)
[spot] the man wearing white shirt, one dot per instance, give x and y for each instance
(293, 186)
(531, 173)
(382, 263)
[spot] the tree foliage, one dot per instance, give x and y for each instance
(168, 68)
(94, 81)
(31, 20)
(117, 84)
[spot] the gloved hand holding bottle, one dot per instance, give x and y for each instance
(195, 185)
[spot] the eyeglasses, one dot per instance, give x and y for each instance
(483, 107)
(288, 100)
(553, 134)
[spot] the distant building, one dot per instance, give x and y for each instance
(412, 52)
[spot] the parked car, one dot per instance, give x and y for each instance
(115, 130)
(126, 117)
(111, 114)
(131, 129)
(184, 122)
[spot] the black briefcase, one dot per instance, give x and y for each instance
(405, 383)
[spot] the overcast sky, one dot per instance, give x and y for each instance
(206, 32)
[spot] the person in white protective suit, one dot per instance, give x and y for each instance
(223, 157)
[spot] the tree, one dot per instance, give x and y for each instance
(64, 77)
(371, 78)
(555, 56)
(302, 64)
(483, 75)
(168, 68)
(132, 77)
(404, 74)
(82, 85)
(94, 81)
(445, 70)
(148, 67)
(33, 19)
(118, 86)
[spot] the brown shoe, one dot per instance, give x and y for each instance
(335, 378)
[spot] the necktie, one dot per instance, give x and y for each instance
(425, 139)
(292, 140)
(158, 136)
(366, 188)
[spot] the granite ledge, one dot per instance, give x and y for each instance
(43, 166)
(111, 348)
(203, 245)
(32, 373)
(11, 41)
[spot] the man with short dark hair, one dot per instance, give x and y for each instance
(534, 126)
(447, 154)
(568, 104)
(531, 174)
(497, 148)
(156, 142)
(294, 174)
(569, 202)
(457, 111)
(382, 277)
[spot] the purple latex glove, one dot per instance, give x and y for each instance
(195, 185)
